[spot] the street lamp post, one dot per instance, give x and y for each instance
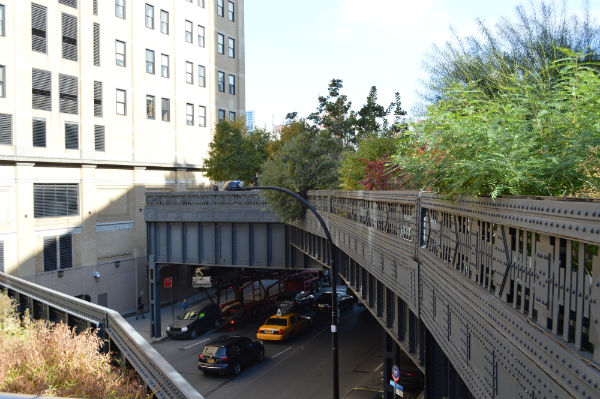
(236, 186)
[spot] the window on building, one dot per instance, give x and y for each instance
(164, 22)
(220, 43)
(53, 200)
(189, 114)
(231, 47)
(232, 84)
(231, 11)
(200, 35)
(95, 7)
(67, 94)
(189, 34)
(96, 44)
(189, 72)
(201, 3)
(2, 21)
(220, 8)
(2, 81)
(221, 115)
(2, 257)
(71, 136)
(69, 37)
(120, 8)
(201, 116)
(201, 76)
(166, 109)
(121, 100)
(150, 61)
(39, 26)
(120, 53)
(164, 65)
(99, 138)
(149, 16)
(97, 99)
(41, 90)
(70, 3)
(150, 107)
(58, 252)
(39, 132)
(6, 129)
(221, 81)
(231, 116)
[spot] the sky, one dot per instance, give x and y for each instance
(294, 48)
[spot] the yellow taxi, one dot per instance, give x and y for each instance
(281, 327)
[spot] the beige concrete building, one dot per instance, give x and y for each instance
(101, 101)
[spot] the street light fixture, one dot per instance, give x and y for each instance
(237, 186)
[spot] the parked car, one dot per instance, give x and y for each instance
(195, 320)
(230, 354)
(279, 328)
(294, 301)
(201, 279)
(323, 302)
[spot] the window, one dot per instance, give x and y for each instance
(6, 129)
(41, 90)
(120, 53)
(189, 72)
(95, 7)
(201, 116)
(120, 8)
(164, 65)
(71, 136)
(52, 200)
(39, 20)
(96, 44)
(149, 16)
(201, 76)
(121, 102)
(188, 31)
(70, 3)
(201, 3)
(2, 81)
(200, 35)
(189, 114)
(231, 11)
(38, 129)
(2, 21)
(221, 81)
(150, 107)
(150, 61)
(99, 138)
(231, 48)
(97, 99)
(69, 37)
(220, 43)
(232, 84)
(58, 252)
(166, 109)
(221, 115)
(67, 94)
(220, 8)
(1, 256)
(231, 116)
(164, 22)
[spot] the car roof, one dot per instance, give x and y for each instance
(225, 340)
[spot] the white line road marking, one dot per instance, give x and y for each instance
(197, 343)
(378, 367)
(283, 351)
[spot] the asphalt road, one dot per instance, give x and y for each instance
(299, 368)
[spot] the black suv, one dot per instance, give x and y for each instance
(294, 301)
(229, 354)
(195, 320)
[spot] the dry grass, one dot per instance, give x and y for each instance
(40, 358)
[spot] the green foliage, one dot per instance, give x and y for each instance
(235, 154)
(287, 133)
(333, 114)
(368, 117)
(309, 160)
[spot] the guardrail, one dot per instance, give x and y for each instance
(161, 378)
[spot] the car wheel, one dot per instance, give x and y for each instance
(194, 334)
(261, 356)
(237, 369)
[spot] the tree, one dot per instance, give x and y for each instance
(288, 132)
(367, 118)
(400, 125)
(334, 115)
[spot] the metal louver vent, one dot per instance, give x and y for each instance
(66, 251)
(95, 7)
(67, 88)
(71, 136)
(51, 200)
(69, 37)
(97, 98)
(50, 254)
(41, 90)
(96, 44)
(38, 28)
(70, 3)
(39, 132)
(1, 256)
(99, 137)
(6, 129)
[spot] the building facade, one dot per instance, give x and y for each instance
(101, 101)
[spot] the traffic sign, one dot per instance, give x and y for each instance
(168, 282)
(399, 389)
(395, 373)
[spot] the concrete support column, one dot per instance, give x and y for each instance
(27, 246)
(140, 240)
(154, 291)
(89, 214)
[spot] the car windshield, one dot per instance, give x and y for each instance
(211, 350)
(191, 315)
(274, 321)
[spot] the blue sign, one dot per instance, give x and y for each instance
(395, 373)
(399, 389)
